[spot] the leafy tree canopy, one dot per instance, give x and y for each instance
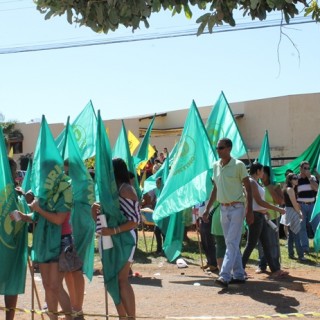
(106, 15)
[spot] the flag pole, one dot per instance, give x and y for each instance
(106, 302)
(34, 290)
(199, 245)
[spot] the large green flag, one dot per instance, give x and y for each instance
(311, 154)
(83, 226)
(53, 190)
(13, 235)
(189, 180)
(221, 124)
(115, 258)
(121, 150)
(265, 156)
(84, 128)
(143, 151)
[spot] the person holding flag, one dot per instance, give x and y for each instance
(130, 208)
(13, 244)
(52, 219)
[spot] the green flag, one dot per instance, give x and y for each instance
(264, 155)
(115, 258)
(142, 154)
(13, 235)
(53, 190)
(221, 124)
(26, 183)
(311, 154)
(189, 180)
(84, 128)
(121, 150)
(316, 239)
(316, 208)
(83, 226)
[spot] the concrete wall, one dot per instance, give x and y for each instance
(292, 122)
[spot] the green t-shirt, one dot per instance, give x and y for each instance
(228, 180)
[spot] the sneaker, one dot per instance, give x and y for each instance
(303, 259)
(259, 270)
(212, 269)
(291, 256)
(220, 282)
(237, 281)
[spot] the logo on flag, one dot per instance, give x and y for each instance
(185, 156)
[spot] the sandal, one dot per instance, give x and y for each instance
(279, 274)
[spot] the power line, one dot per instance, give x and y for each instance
(148, 37)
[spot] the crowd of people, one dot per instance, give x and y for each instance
(241, 202)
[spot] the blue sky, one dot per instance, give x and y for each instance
(144, 77)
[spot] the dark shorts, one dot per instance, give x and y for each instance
(66, 240)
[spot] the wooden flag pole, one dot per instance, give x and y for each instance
(106, 302)
(34, 290)
(200, 250)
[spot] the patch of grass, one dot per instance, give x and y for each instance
(190, 252)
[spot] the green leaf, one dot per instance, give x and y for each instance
(203, 17)
(99, 12)
(211, 23)
(69, 15)
(113, 16)
(187, 12)
(49, 14)
(201, 27)
(254, 4)
(156, 6)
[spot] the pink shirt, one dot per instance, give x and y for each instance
(66, 226)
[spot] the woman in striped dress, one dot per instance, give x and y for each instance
(130, 208)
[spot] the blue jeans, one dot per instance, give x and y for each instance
(259, 231)
(306, 210)
(294, 239)
(232, 218)
(274, 248)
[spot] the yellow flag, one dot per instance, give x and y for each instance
(10, 155)
(142, 164)
(133, 142)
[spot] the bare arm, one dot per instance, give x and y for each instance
(212, 199)
(53, 217)
(276, 194)
(260, 201)
(293, 199)
(127, 191)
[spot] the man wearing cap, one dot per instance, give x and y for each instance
(306, 196)
(229, 177)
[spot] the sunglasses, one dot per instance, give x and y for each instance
(220, 148)
(294, 178)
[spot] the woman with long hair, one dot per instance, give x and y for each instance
(130, 208)
(258, 229)
(293, 217)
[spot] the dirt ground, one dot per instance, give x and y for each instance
(163, 291)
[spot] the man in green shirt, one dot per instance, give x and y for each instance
(229, 177)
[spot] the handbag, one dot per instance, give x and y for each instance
(69, 260)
